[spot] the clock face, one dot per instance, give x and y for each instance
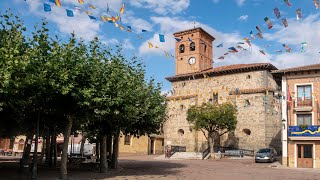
(192, 60)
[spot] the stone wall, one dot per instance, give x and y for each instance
(262, 116)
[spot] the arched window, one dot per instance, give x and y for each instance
(21, 145)
(180, 132)
(181, 48)
(192, 46)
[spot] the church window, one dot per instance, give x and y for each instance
(181, 48)
(180, 132)
(192, 46)
(205, 48)
(127, 140)
(247, 131)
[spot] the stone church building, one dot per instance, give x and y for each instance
(251, 87)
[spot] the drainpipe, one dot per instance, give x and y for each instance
(284, 122)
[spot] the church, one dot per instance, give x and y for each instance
(252, 87)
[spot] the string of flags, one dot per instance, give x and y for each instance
(270, 26)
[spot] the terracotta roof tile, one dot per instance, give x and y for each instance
(299, 68)
(230, 69)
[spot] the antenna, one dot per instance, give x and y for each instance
(194, 24)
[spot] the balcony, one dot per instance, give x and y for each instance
(303, 104)
(299, 131)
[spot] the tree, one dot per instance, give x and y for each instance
(214, 120)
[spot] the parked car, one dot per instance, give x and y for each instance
(265, 155)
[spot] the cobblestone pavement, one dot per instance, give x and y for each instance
(145, 167)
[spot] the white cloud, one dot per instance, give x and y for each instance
(162, 7)
(243, 18)
(240, 2)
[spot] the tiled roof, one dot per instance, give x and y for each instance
(230, 69)
(299, 68)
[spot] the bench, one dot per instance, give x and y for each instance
(239, 153)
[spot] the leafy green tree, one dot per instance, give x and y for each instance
(214, 120)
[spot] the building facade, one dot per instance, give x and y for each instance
(251, 87)
(301, 116)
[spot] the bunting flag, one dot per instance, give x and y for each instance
(299, 14)
(53, 1)
(262, 52)
(46, 7)
(122, 9)
(285, 22)
(269, 23)
(316, 3)
(143, 30)
(260, 35)
(58, 3)
(220, 45)
(104, 19)
(113, 19)
(240, 43)
(116, 24)
(251, 34)
(91, 6)
(247, 41)
(88, 12)
(304, 44)
(167, 54)
(117, 18)
(286, 47)
(161, 38)
(177, 39)
(121, 27)
(92, 17)
(81, 1)
(129, 29)
(225, 54)
(287, 2)
(150, 45)
(140, 37)
(232, 49)
(77, 8)
(108, 9)
(190, 39)
(240, 47)
(221, 57)
(278, 51)
(69, 13)
(277, 12)
(258, 28)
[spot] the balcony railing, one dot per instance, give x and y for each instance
(303, 103)
(304, 131)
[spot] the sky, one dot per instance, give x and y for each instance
(229, 21)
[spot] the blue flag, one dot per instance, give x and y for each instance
(143, 30)
(46, 7)
(53, 1)
(177, 39)
(220, 45)
(69, 13)
(92, 17)
(161, 37)
(190, 40)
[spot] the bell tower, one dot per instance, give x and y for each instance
(193, 51)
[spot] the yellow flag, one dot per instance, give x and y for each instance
(150, 45)
(167, 54)
(121, 27)
(92, 7)
(122, 9)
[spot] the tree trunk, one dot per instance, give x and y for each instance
(103, 154)
(48, 146)
(210, 139)
(64, 156)
(34, 173)
(26, 152)
(83, 140)
(42, 149)
(109, 148)
(51, 148)
(54, 147)
(98, 151)
(114, 164)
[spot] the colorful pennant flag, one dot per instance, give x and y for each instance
(177, 39)
(240, 43)
(69, 13)
(161, 38)
(116, 24)
(81, 1)
(260, 35)
(122, 9)
(220, 45)
(251, 34)
(247, 41)
(129, 29)
(121, 27)
(299, 14)
(221, 57)
(143, 30)
(304, 44)
(277, 12)
(113, 19)
(316, 3)
(262, 52)
(53, 1)
(269, 23)
(88, 12)
(104, 18)
(58, 3)
(240, 47)
(225, 54)
(258, 28)
(77, 8)
(232, 49)
(285, 22)
(91, 6)
(287, 2)
(167, 54)
(46, 7)
(92, 17)
(278, 51)
(150, 45)
(190, 39)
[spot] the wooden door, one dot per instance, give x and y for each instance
(305, 155)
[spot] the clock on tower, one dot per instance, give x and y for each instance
(193, 51)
